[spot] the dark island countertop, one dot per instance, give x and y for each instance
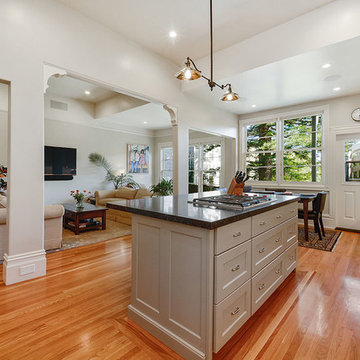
(178, 209)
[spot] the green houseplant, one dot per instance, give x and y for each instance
(163, 188)
(117, 180)
(3, 175)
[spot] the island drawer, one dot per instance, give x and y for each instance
(290, 258)
(266, 247)
(265, 221)
(231, 235)
(290, 229)
(231, 314)
(232, 269)
(266, 281)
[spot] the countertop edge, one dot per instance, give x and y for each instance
(200, 223)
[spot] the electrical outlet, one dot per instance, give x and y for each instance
(28, 269)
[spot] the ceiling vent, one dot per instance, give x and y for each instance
(58, 105)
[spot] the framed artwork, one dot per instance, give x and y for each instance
(138, 159)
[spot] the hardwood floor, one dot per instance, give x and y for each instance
(79, 310)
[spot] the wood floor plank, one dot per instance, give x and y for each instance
(79, 310)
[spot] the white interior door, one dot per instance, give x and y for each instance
(348, 181)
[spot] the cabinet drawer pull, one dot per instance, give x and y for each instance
(237, 234)
(291, 257)
(262, 223)
(262, 250)
(277, 240)
(237, 267)
(235, 311)
(278, 271)
(278, 216)
(261, 286)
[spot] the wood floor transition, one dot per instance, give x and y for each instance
(79, 310)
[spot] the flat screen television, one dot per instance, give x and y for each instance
(60, 163)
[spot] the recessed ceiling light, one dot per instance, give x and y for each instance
(337, 88)
(326, 66)
(87, 92)
(145, 122)
(253, 105)
(173, 34)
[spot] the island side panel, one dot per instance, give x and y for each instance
(172, 284)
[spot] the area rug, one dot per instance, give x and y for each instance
(113, 230)
(327, 243)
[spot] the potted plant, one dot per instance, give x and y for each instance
(163, 188)
(79, 197)
(3, 181)
(118, 180)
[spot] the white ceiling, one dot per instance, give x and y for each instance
(294, 80)
(69, 87)
(148, 22)
(155, 116)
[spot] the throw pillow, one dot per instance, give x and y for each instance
(3, 201)
(143, 193)
(125, 193)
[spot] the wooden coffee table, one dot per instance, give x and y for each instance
(74, 215)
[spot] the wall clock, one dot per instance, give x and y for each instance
(356, 114)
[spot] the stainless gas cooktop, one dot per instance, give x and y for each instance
(232, 202)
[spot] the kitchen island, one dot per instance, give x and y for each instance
(199, 273)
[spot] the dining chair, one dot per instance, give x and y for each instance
(315, 214)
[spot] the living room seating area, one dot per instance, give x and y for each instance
(53, 218)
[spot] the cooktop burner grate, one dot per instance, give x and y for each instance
(232, 202)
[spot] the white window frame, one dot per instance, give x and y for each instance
(205, 141)
(160, 147)
(279, 118)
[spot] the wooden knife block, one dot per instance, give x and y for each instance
(235, 188)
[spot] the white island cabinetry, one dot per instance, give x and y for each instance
(193, 288)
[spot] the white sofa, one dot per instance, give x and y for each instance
(53, 216)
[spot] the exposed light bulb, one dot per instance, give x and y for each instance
(87, 92)
(326, 66)
(337, 88)
(173, 34)
(145, 122)
(253, 106)
(229, 97)
(187, 74)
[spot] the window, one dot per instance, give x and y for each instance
(204, 167)
(302, 158)
(261, 151)
(166, 163)
(352, 160)
(285, 149)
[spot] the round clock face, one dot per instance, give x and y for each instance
(356, 114)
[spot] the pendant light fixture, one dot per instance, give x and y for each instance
(191, 72)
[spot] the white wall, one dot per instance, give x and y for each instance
(86, 139)
(4, 124)
(33, 33)
(340, 110)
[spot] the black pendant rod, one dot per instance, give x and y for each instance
(211, 48)
(210, 81)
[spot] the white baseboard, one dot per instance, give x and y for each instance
(22, 267)
(329, 223)
(174, 342)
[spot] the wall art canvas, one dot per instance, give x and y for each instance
(138, 159)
